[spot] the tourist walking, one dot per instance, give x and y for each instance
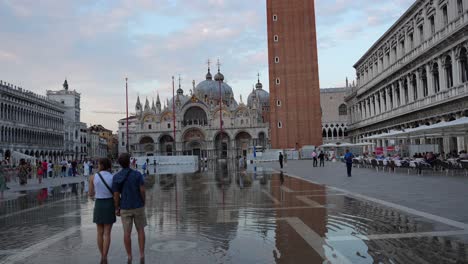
(321, 157)
(74, 164)
(64, 168)
(86, 171)
(2, 181)
(314, 157)
(280, 159)
(23, 171)
(45, 168)
(40, 174)
(50, 169)
(129, 199)
(104, 210)
(348, 157)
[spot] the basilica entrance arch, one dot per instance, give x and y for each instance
(194, 141)
(195, 116)
(222, 145)
(243, 142)
(147, 144)
(166, 145)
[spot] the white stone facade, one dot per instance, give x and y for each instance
(198, 129)
(72, 125)
(30, 124)
(415, 74)
(334, 115)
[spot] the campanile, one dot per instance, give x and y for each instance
(295, 114)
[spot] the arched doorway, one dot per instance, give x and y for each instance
(222, 145)
(243, 142)
(147, 145)
(193, 142)
(166, 145)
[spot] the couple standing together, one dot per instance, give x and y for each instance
(122, 194)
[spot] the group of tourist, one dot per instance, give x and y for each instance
(122, 194)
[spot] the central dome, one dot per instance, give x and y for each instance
(210, 89)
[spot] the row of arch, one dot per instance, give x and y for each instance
(334, 133)
(427, 80)
(29, 136)
(34, 117)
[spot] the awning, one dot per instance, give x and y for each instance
(458, 127)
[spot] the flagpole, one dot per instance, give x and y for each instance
(126, 98)
(173, 113)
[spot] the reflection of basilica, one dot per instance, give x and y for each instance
(198, 124)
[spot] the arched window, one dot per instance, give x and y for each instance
(342, 110)
(435, 77)
(324, 133)
(424, 82)
(448, 71)
(463, 65)
(415, 87)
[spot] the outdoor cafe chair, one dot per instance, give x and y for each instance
(391, 165)
(375, 165)
(381, 164)
(356, 163)
(464, 165)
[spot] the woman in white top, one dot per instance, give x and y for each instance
(86, 168)
(100, 186)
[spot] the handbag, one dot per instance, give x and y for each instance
(105, 183)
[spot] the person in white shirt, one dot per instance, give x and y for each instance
(104, 209)
(86, 171)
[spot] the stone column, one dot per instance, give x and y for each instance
(410, 90)
(402, 92)
(460, 144)
(371, 106)
(442, 75)
(382, 101)
(446, 143)
(455, 69)
(376, 102)
(393, 91)
(387, 99)
(430, 80)
(368, 103)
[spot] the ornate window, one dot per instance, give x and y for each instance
(424, 82)
(449, 71)
(342, 110)
(460, 6)
(463, 64)
(435, 77)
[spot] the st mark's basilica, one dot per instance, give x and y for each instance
(198, 122)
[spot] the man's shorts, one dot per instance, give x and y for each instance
(137, 216)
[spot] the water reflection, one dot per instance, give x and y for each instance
(224, 215)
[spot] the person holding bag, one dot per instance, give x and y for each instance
(104, 210)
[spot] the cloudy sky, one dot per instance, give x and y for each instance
(95, 44)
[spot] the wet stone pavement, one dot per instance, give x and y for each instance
(221, 215)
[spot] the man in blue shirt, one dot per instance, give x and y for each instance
(129, 199)
(349, 161)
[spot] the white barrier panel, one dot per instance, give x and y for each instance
(167, 160)
(273, 155)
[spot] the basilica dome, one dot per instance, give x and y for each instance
(262, 95)
(209, 88)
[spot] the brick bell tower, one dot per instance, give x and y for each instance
(295, 113)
